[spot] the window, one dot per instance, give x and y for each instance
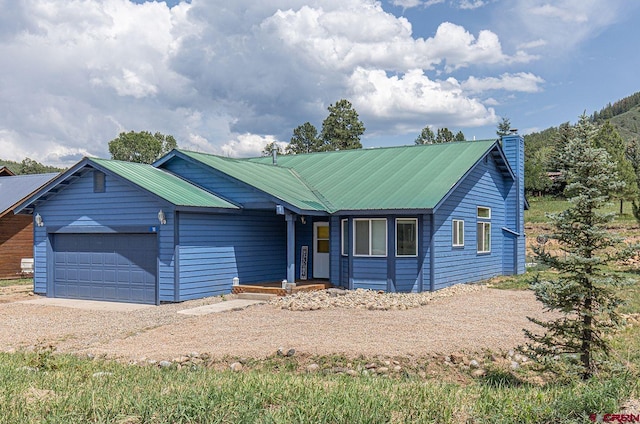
(406, 237)
(457, 229)
(484, 212)
(484, 230)
(98, 182)
(345, 234)
(370, 237)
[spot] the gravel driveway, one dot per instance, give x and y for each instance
(465, 321)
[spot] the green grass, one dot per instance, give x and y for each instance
(19, 281)
(47, 387)
(541, 206)
(67, 389)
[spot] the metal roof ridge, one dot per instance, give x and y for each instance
(323, 200)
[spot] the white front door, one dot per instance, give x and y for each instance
(320, 250)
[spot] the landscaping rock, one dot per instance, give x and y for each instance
(236, 367)
(165, 364)
(474, 364)
(478, 373)
(366, 299)
(313, 367)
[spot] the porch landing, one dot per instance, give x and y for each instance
(276, 287)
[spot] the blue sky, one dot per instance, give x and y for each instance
(228, 77)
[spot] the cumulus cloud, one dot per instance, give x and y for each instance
(414, 97)
(229, 77)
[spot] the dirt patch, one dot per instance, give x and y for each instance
(15, 293)
(487, 319)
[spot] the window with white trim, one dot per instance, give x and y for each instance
(457, 231)
(370, 237)
(345, 234)
(406, 237)
(484, 230)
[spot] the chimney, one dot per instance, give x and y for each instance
(513, 147)
(274, 154)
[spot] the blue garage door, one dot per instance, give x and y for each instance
(115, 267)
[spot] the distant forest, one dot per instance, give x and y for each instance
(620, 124)
(28, 166)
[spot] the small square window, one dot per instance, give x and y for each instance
(484, 212)
(457, 229)
(370, 237)
(98, 182)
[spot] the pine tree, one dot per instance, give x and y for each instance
(341, 130)
(305, 140)
(503, 127)
(426, 136)
(583, 292)
(459, 136)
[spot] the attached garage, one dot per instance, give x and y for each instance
(114, 267)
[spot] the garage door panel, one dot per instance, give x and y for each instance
(117, 267)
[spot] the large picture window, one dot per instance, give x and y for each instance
(406, 237)
(457, 231)
(370, 237)
(484, 230)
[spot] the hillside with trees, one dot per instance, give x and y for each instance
(619, 125)
(28, 166)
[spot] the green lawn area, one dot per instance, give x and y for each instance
(47, 387)
(19, 281)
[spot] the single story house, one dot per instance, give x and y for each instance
(398, 219)
(16, 231)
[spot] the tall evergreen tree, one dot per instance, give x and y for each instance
(459, 136)
(305, 140)
(609, 139)
(582, 294)
(341, 130)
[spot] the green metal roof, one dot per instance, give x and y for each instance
(164, 185)
(282, 183)
(393, 178)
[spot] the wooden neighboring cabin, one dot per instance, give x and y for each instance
(16, 231)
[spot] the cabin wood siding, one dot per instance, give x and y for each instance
(122, 205)
(515, 246)
(16, 243)
(483, 186)
(213, 249)
(215, 182)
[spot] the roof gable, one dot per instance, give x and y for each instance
(278, 182)
(157, 182)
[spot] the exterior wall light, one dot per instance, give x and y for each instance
(39, 221)
(162, 217)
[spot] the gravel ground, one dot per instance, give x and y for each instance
(468, 319)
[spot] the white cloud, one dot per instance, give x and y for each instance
(247, 145)
(525, 82)
(415, 98)
(471, 4)
(227, 77)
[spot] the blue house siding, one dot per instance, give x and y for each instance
(213, 249)
(513, 146)
(483, 186)
(214, 181)
(120, 207)
(406, 275)
(370, 273)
